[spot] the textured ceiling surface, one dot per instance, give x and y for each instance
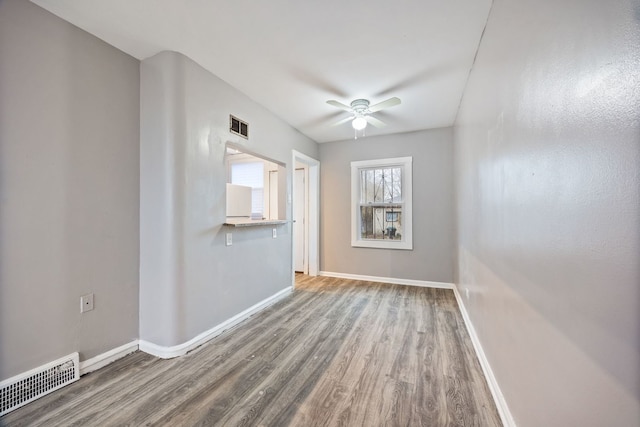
(292, 56)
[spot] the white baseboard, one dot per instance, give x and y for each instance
(178, 350)
(395, 281)
(498, 397)
(110, 356)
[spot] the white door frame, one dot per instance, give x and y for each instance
(303, 223)
(313, 219)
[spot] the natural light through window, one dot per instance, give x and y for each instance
(381, 203)
(250, 174)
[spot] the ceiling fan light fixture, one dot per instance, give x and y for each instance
(359, 123)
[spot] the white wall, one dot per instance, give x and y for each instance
(189, 280)
(432, 256)
(69, 130)
(547, 158)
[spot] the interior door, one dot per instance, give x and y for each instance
(299, 245)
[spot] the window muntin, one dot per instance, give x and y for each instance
(380, 223)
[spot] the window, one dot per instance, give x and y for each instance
(251, 174)
(381, 203)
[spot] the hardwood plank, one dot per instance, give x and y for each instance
(336, 353)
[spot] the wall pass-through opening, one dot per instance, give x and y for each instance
(256, 185)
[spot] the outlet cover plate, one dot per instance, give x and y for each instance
(86, 303)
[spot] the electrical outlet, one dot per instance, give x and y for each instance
(229, 239)
(86, 303)
(274, 233)
(466, 292)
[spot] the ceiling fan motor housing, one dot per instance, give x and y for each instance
(360, 106)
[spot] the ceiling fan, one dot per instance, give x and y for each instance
(361, 111)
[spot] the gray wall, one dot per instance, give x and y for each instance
(69, 131)
(432, 256)
(547, 149)
(189, 280)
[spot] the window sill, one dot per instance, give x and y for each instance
(383, 244)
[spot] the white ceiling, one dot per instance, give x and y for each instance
(292, 56)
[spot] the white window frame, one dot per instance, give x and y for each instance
(406, 243)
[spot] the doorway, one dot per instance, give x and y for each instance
(305, 203)
(300, 213)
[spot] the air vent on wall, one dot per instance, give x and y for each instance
(238, 127)
(27, 387)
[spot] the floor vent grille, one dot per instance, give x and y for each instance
(27, 387)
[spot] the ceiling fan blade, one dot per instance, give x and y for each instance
(339, 105)
(377, 123)
(385, 104)
(338, 123)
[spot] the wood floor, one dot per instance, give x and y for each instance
(336, 353)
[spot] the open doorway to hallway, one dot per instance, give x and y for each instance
(305, 202)
(300, 213)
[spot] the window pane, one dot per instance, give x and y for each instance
(387, 187)
(381, 223)
(396, 180)
(250, 174)
(383, 185)
(377, 195)
(367, 177)
(392, 182)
